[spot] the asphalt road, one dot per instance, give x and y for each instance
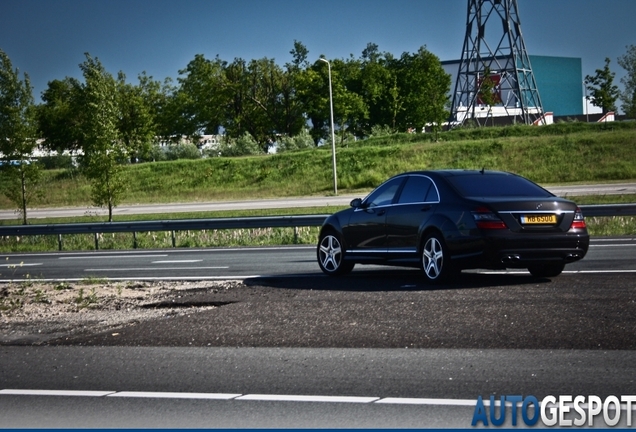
(230, 387)
(36, 213)
(412, 355)
(299, 262)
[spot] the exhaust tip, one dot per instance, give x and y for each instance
(509, 259)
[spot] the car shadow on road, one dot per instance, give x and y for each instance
(392, 280)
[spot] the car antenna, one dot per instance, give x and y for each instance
(482, 170)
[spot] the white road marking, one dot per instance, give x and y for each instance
(176, 395)
(244, 397)
(176, 261)
(111, 256)
(154, 268)
(612, 245)
(265, 397)
(20, 265)
(85, 393)
(429, 401)
(306, 398)
(144, 278)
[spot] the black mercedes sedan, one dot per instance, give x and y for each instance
(448, 220)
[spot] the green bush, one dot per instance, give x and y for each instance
(183, 151)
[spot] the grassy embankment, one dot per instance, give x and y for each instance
(557, 154)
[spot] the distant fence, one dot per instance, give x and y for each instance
(96, 228)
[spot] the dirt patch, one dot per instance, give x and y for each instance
(38, 312)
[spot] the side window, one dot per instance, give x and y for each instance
(432, 195)
(384, 194)
(418, 189)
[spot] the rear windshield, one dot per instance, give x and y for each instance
(488, 185)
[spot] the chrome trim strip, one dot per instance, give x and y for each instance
(557, 212)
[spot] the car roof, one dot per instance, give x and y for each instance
(458, 172)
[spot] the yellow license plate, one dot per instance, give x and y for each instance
(539, 219)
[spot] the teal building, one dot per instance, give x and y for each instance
(559, 81)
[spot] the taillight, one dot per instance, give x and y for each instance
(486, 219)
(579, 220)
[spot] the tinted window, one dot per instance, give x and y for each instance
(418, 189)
(384, 194)
(485, 185)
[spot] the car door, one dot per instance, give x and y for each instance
(366, 230)
(415, 205)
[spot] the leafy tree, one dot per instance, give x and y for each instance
(488, 93)
(349, 108)
(166, 107)
(61, 115)
(262, 113)
(18, 132)
(291, 112)
(313, 93)
(103, 149)
(424, 86)
(136, 122)
(379, 89)
(201, 96)
(628, 62)
(602, 89)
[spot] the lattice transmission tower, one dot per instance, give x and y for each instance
(495, 76)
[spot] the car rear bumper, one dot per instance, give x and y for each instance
(521, 251)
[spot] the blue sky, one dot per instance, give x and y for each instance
(48, 38)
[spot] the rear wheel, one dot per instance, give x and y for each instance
(546, 270)
(436, 262)
(331, 255)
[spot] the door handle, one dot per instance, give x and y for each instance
(427, 208)
(381, 212)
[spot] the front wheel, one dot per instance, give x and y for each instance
(331, 255)
(546, 270)
(436, 262)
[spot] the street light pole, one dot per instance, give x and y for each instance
(333, 136)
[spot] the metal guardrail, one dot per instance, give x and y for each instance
(96, 228)
(608, 210)
(172, 226)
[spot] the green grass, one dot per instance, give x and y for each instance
(557, 154)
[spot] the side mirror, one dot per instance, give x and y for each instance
(356, 203)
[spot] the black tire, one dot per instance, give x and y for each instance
(330, 255)
(436, 263)
(546, 270)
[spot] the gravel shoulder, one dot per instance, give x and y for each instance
(34, 313)
(392, 309)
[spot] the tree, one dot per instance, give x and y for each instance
(602, 89)
(424, 86)
(379, 89)
(488, 93)
(103, 149)
(18, 132)
(136, 122)
(628, 95)
(201, 96)
(60, 116)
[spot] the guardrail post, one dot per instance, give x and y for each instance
(134, 240)
(96, 241)
(174, 242)
(59, 242)
(295, 235)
